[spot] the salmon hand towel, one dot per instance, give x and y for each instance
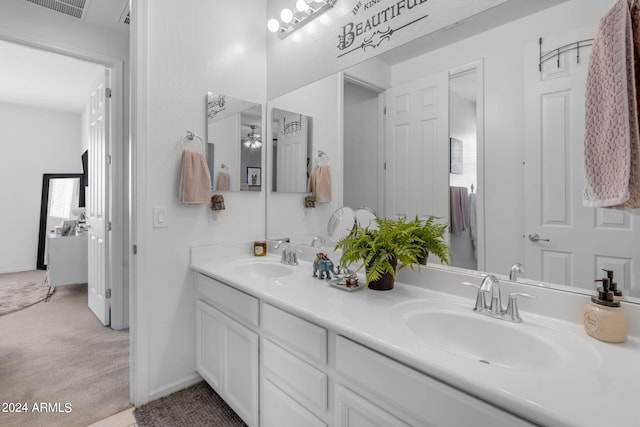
(320, 184)
(194, 186)
(612, 142)
(223, 181)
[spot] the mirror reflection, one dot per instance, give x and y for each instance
(526, 174)
(292, 144)
(234, 143)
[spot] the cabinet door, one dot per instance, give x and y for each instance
(209, 344)
(240, 384)
(352, 410)
(227, 358)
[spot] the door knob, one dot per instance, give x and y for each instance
(536, 238)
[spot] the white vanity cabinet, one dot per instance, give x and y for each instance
(409, 394)
(226, 350)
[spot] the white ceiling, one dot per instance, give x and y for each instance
(38, 78)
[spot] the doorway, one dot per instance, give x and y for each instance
(58, 127)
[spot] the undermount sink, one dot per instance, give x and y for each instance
(268, 269)
(528, 346)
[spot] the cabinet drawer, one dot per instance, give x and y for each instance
(235, 303)
(280, 410)
(295, 333)
(412, 392)
(301, 380)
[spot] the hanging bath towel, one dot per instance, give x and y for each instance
(612, 142)
(223, 181)
(459, 209)
(320, 184)
(194, 186)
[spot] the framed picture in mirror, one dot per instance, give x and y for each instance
(253, 176)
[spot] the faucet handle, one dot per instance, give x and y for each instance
(481, 304)
(512, 314)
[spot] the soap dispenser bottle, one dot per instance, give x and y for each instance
(604, 319)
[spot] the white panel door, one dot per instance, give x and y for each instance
(417, 148)
(292, 154)
(98, 201)
(581, 241)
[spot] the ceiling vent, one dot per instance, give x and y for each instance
(68, 7)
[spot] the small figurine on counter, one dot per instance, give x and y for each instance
(322, 266)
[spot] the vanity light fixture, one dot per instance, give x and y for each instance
(253, 140)
(306, 11)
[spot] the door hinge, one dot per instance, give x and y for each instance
(107, 92)
(385, 111)
(109, 226)
(135, 249)
(385, 165)
(109, 159)
(107, 294)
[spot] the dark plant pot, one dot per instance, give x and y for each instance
(386, 282)
(422, 260)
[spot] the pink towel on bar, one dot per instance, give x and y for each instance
(223, 181)
(612, 141)
(320, 184)
(195, 182)
(459, 209)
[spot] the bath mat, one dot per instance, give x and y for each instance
(193, 406)
(21, 290)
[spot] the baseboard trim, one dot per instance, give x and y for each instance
(17, 270)
(176, 386)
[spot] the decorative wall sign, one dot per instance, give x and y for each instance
(357, 30)
(215, 105)
(366, 28)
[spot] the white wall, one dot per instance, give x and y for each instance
(502, 49)
(286, 214)
(32, 142)
(181, 51)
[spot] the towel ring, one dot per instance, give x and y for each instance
(190, 136)
(322, 155)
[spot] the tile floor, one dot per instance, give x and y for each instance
(122, 419)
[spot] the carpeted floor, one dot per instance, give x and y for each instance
(56, 357)
(195, 406)
(21, 290)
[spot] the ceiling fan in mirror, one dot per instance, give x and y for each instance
(253, 140)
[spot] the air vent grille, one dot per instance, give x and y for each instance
(68, 7)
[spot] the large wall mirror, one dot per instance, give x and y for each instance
(490, 120)
(292, 144)
(234, 143)
(62, 196)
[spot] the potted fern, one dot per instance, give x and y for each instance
(430, 235)
(380, 249)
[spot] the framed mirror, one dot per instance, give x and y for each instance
(62, 195)
(234, 143)
(292, 142)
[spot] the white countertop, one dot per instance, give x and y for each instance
(600, 394)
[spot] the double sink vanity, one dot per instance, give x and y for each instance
(284, 348)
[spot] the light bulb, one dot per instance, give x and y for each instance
(302, 5)
(286, 15)
(273, 25)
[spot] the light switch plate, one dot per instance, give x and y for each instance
(160, 219)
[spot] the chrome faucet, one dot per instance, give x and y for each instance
(491, 284)
(289, 256)
(516, 269)
(315, 239)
